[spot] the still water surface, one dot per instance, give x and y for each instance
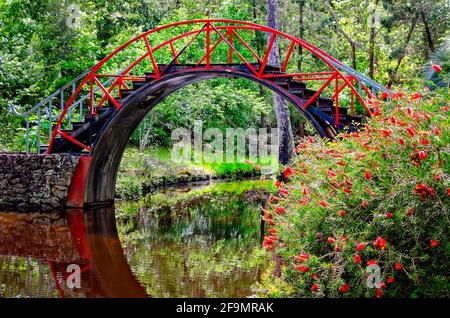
(202, 241)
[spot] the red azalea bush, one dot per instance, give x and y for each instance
(380, 196)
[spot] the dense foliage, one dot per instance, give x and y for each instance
(379, 196)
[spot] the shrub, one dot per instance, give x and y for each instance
(379, 196)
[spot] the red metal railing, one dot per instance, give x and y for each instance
(231, 33)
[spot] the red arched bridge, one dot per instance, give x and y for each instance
(97, 112)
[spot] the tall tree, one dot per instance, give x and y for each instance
(285, 136)
(301, 31)
(373, 32)
(341, 30)
(403, 52)
(427, 29)
(259, 44)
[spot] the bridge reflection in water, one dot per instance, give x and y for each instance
(88, 239)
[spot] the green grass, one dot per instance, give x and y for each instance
(151, 168)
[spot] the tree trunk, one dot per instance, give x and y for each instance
(144, 141)
(428, 33)
(301, 129)
(301, 29)
(258, 51)
(353, 45)
(372, 42)
(403, 52)
(285, 137)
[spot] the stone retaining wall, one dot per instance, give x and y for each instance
(32, 182)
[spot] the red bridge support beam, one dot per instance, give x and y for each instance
(75, 197)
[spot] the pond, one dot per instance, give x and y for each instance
(193, 241)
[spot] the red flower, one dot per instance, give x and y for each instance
(410, 211)
(288, 171)
(365, 204)
(280, 210)
(371, 262)
(390, 280)
(310, 139)
(420, 187)
(302, 257)
(380, 243)
(360, 247)
(269, 242)
(409, 111)
(398, 266)
(436, 68)
(416, 96)
(448, 192)
(348, 182)
(274, 198)
(331, 173)
(270, 238)
(423, 191)
(278, 184)
(347, 190)
(434, 243)
(379, 293)
(411, 131)
(386, 132)
(284, 191)
(341, 163)
(272, 231)
(398, 95)
(424, 141)
(367, 175)
(389, 215)
(302, 268)
(357, 259)
(342, 212)
(305, 191)
(422, 154)
(331, 240)
(304, 201)
(314, 287)
(437, 177)
(401, 141)
(268, 218)
(393, 120)
(385, 95)
(323, 203)
(314, 276)
(344, 288)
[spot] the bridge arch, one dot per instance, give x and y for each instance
(109, 148)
